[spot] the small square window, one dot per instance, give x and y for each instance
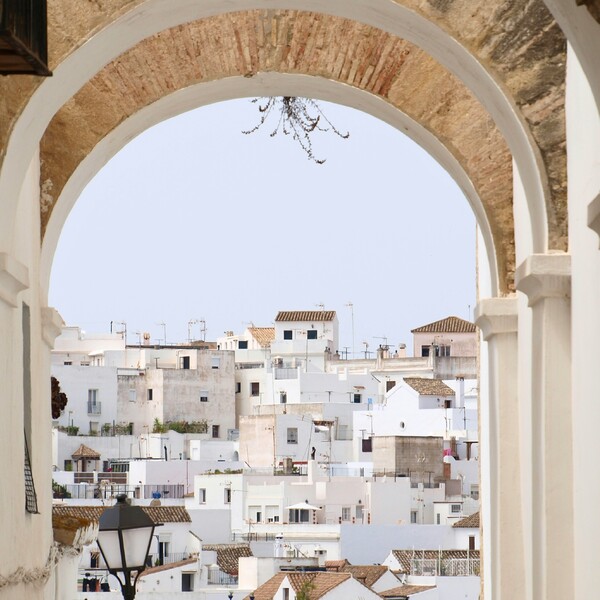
(346, 514)
(203, 396)
(242, 344)
(357, 398)
(287, 334)
(312, 334)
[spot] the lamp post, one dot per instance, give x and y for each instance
(124, 537)
(230, 595)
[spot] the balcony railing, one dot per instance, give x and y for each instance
(94, 408)
(23, 37)
(154, 559)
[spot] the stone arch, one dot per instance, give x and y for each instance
(491, 47)
(401, 75)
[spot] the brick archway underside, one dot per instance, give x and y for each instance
(518, 42)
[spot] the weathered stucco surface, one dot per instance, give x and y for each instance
(519, 43)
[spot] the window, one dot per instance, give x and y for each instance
(215, 431)
(357, 398)
(94, 427)
(438, 519)
(185, 362)
(312, 334)
(132, 395)
(238, 387)
(215, 362)
(286, 593)
(202, 496)
(187, 582)
(150, 394)
(443, 351)
(471, 542)
(425, 350)
(367, 445)
(299, 515)
(227, 498)
(292, 435)
(68, 465)
(282, 397)
(254, 388)
(287, 334)
(346, 514)
(242, 344)
(455, 508)
(413, 516)
(67, 363)
(92, 396)
(204, 396)
(475, 491)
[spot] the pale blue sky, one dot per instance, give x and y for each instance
(194, 220)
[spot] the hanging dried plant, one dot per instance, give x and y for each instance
(298, 117)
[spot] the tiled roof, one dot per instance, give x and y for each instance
(404, 557)
(406, 590)
(263, 335)
(85, 452)
(447, 325)
(228, 555)
(175, 565)
(159, 514)
(366, 574)
(429, 387)
(470, 521)
(322, 582)
(305, 315)
(336, 565)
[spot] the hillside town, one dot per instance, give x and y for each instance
(275, 466)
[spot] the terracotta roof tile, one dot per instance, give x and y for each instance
(305, 315)
(336, 565)
(406, 590)
(175, 565)
(322, 582)
(159, 514)
(366, 574)
(470, 521)
(228, 555)
(263, 335)
(447, 325)
(404, 557)
(85, 452)
(429, 387)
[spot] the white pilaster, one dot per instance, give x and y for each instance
(14, 278)
(546, 281)
(497, 318)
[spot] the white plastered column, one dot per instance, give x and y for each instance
(546, 281)
(497, 318)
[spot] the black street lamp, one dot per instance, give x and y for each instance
(124, 537)
(230, 595)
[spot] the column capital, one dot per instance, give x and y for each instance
(496, 315)
(594, 215)
(544, 276)
(52, 324)
(14, 278)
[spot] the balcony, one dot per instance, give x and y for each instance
(94, 408)
(23, 38)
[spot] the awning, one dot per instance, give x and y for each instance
(302, 505)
